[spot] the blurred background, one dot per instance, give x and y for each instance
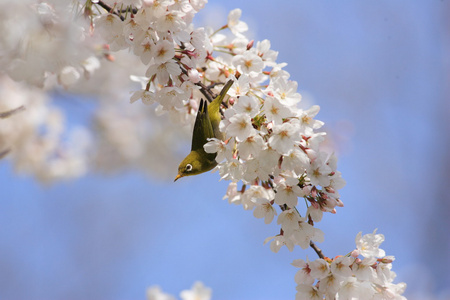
(380, 72)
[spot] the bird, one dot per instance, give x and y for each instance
(206, 126)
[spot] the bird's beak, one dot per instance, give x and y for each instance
(178, 177)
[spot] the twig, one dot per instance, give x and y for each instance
(3, 153)
(133, 10)
(317, 249)
(9, 113)
(110, 9)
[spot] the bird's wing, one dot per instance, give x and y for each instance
(214, 110)
(202, 127)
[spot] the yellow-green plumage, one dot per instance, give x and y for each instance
(206, 126)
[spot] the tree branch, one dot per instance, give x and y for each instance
(9, 113)
(110, 9)
(3, 153)
(317, 249)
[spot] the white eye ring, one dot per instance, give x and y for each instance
(188, 167)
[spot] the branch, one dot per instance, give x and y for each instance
(3, 153)
(110, 9)
(317, 249)
(129, 9)
(9, 113)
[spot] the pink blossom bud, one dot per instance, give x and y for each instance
(250, 44)
(355, 253)
(314, 192)
(329, 189)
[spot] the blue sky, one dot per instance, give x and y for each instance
(379, 71)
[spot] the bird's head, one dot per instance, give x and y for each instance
(193, 164)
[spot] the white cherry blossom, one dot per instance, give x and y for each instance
(341, 266)
(163, 51)
(248, 63)
(240, 87)
(155, 293)
(288, 192)
(222, 149)
(240, 127)
(264, 209)
(236, 26)
(319, 268)
(248, 105)
(232, 194)
(275, 111)
(164, 71)
(278, 242)
(289, 220)
(251, 146)
(147, 97)
(286, 91)
(284, 137)
(368, 245)
(308, 292)
(198, 292)
(303, 276)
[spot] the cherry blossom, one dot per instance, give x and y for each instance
(236, 26)
(198, 292)
(155, 293)
(240, 126)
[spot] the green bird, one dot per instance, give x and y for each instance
(206, 126)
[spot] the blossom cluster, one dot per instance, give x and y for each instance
(350, 277)
(272, 146)
(344, 277)
(161, 35)
(36, 138)
(44, 43)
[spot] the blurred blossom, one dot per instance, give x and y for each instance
(37, 137)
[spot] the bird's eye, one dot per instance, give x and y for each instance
(188, 167)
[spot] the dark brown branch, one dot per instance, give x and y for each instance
(206, 91)
(129, 9)
(317, 249)
(110, 9)
(3, 153)
(9, 113)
